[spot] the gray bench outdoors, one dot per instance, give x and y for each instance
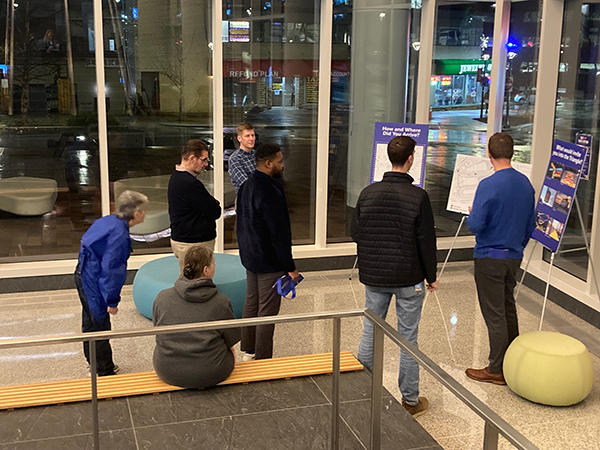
(28, 196)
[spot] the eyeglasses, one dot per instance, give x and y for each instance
(203, 159)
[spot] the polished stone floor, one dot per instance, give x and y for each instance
(292, 414)
(452, 333)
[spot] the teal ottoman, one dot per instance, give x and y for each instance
(549, 368)
(154, 276)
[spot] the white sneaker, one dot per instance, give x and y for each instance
(249, 357)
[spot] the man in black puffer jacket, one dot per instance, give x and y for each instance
(393, 227)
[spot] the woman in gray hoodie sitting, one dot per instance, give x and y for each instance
(195, 359)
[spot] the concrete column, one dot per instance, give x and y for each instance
(378, 79)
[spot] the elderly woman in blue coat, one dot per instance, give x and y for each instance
(102, 269)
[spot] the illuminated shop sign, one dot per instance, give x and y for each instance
(461, 66)
(239, 31)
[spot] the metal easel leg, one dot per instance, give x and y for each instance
(452, 246)
(353, 268)
(547, 287)
(525, 271)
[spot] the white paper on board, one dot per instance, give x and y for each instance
(383, 164)
(468, 172)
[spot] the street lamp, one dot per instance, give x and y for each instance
(512, 48)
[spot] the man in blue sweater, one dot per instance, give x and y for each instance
(502, 218)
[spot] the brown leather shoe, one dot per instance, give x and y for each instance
(419, 409)
(486, 376)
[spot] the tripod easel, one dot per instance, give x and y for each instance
(587, 247)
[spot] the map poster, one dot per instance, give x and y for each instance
(468, 172)
(585, 140)
(557, 193)
(384, 132)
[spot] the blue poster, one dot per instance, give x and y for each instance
(557, 194)
(585, 140)
(384, 133)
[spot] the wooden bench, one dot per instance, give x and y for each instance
(130, 384)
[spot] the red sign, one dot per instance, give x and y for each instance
(508, 86)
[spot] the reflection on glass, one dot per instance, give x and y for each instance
(578, 111)
(459, 99)
(49, 170)
(523, 49)
(270, 80)
(366, 87)
(158, 78)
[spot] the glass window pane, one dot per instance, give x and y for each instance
(373, 80)
(158, 80)
(578, 111)
(459, 99)
(49, 165)
(523, 49)
(271, 81)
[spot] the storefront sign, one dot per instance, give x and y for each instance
(461, 66)
(585, 140)
(239, 31)
(384, 132)
(556, 198)
(312, 90)
(279, 68)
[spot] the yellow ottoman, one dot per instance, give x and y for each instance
(549, 368)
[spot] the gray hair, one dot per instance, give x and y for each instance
(129, 202)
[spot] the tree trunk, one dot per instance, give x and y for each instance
(26, 69)
(181, 105)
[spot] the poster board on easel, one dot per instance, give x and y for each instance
(384, 133)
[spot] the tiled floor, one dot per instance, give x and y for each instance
(292, 414)
(452, 333)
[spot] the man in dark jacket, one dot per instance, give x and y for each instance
(393, 227)
(265, 239)
(193, 211)
(102, 269)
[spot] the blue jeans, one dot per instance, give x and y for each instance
(409, 302)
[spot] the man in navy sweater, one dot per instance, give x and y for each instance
(265, 239)
(502, 218)
(193, 211)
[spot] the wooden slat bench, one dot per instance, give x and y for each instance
(129, 384)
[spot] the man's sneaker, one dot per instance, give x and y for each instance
(249, 356)
(418, 409)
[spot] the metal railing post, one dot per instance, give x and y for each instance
(490, 437)
(94, 377)
(335, 397)
(377, 391)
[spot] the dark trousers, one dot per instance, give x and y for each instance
(496, 280)
(104, 361)
(261, 300)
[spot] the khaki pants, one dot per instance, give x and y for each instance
(179, 249)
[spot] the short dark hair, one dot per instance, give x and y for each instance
(244, 126)
(196, 258)
(399, 149)
(193, 147)
(266, 152)
(501, 146)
